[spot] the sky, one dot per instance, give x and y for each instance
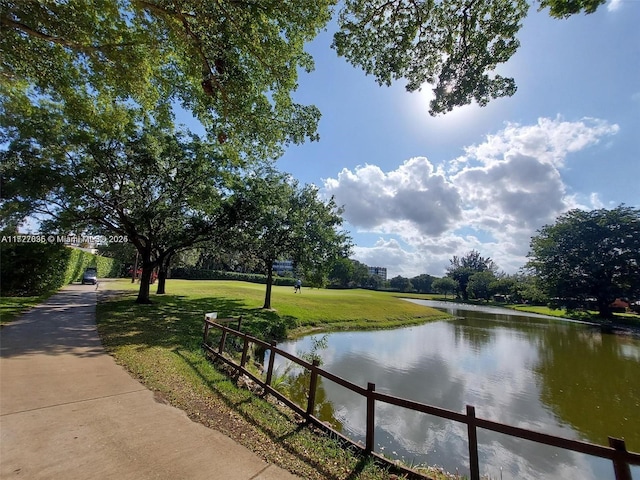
(417, 190)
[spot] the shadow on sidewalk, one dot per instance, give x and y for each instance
(62, 325)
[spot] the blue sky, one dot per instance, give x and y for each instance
(418, 190)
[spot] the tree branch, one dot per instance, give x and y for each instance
(7, 22)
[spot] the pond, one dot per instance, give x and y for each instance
(558, 377)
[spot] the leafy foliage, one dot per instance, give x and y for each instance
(592, 254)
(40, 268)
(341, 272)
(349, 273)
(163, 190)
(452, 44)
(401, 284)
(566, 8)
(462, 268)
(481, 285)
(233, 65)
(445, 285)
(423, 283)
(281, 220)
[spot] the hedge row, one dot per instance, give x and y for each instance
(201, 274)
(37, 268)
(79, 260)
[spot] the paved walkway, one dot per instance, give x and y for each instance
(68, 411)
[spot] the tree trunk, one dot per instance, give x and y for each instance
(604, 309)
(267, 295)
(163, 273)
(162, 277)
(145, 281)
(134, 273)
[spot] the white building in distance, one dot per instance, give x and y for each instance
(282, 266)
(379, 271)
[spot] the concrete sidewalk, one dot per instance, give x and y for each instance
(68, 411)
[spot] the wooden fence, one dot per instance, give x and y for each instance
(616, 451)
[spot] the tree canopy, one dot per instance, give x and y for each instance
(444, 285)
(589, 254)
(422, 283)
(279, 219)
(481, 285)
(462, 268)
(401, 283)
(350, 273)
(162, 190)
(234, 64)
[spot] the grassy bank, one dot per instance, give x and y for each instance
(630, 321)
(160, 344)
(312, 310)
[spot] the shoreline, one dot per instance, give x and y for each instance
(615, 326)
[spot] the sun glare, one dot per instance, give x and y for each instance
(415, 108)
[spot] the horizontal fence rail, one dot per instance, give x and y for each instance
(616, 451)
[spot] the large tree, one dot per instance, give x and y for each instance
(462, 268)
(341, 273)
(346, 272)
(401, 283)
(422, 283)
(161, 190)
(282, 220)
(234, 64)
(480, 285)
(445, 285)
(589, 254)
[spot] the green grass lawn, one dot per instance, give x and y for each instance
(542, 310)
(313, 309)
(12, 307)
(160, 345)
(629, 319)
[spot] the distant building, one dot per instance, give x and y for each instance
(282, 266)
(379, 271)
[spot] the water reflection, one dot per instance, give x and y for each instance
(591, 381)
(560, 378)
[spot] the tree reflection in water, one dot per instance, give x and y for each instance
(582, 375)
(556, 377)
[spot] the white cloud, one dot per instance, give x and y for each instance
(594, 198)
(548, 141)
(504, 188)
(414, 195)
(614, 5)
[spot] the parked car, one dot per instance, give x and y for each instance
(90, 276)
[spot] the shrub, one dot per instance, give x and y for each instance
(38, 268)
(202, 274)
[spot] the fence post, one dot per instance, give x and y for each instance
(223, 340)
(272, 357)
(620, 466)
(239, 322)
(245, 349)
(313, 383)
(205, 335)
(472, 433)
(371, 424)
